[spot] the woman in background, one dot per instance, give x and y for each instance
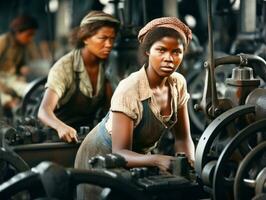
(77, 86)
(16, 50)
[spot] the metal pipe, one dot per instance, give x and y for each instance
(237, 60)
(248, 16)
(50, 29)
(211, 59)
(144, 7)
(127, 12)
(170, 8)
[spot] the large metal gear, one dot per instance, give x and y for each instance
(32, 98)
(204, 150)
(230, 158)
(250, 179)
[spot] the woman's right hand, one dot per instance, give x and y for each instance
(163, 162)
(67, 133)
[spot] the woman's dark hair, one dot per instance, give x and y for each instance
(81, 33)
(22, 23)
(152, 37)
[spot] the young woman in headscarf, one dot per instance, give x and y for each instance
(16, 50)
(77, 86)
(146, 104)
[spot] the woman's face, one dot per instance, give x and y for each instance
(101, 43)
(165, 56)
(25, 37)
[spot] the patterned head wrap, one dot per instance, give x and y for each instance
(95, 16)
(167, 22)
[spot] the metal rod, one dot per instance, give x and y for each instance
(50, 29)
(144, 7)
(121, 16)
(248, 16)
(127, 12)
(211, 58)
(263, 14)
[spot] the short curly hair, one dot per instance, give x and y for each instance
(22, 23)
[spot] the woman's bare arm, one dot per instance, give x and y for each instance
(122, 136)
(183, 140)
(47, 116)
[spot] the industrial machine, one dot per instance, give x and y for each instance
(230, 154)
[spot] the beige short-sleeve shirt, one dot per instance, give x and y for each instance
(131, 91)
(61, 77)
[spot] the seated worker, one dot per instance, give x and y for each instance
(145, 105)
(16, 49)
(77, 86)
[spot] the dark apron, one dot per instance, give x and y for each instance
(150, 130)
(81, 110)
(146, 135)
